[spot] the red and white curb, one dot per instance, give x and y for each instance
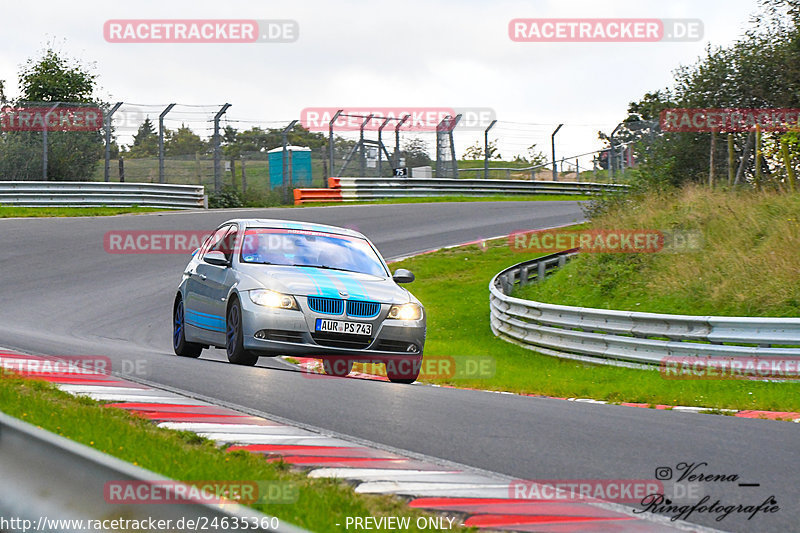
(314, 366)
(469, 497)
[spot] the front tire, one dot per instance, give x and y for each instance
(337, 366)
(179, 344)
(405, 371)
(234, 338)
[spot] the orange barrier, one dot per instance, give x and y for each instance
(304, 196)
(334, 183)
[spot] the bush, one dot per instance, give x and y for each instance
(225, 198)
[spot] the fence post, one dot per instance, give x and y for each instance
(121, 169)
(106, 168)
(380, 147)
(330, 143)
(244, 175)
(787, 160)
(217, 170)
(553, 146)
(486, 150)
(759, 156)
(731, 161)
(161, 142)
(286, 183)
(44, 141)
(711, 158)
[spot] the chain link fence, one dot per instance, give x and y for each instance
(262, 160)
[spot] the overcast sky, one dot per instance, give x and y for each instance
(377, 53)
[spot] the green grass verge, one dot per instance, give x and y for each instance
(747, 264)
(453, 286)
(184, 456)
(14, 212)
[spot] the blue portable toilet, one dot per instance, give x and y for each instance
(298, 166)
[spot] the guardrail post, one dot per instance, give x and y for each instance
(161, 142)
(541, 269)
(523, 276)
(106, 168)
(217, 170)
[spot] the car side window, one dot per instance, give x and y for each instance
(227, 245)
(215, 240)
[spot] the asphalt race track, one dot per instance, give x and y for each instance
(62, 293)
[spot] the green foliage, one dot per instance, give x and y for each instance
(761, 69)
(55, 78)
(227, 197)
(183, 141)
(72, 155)
(145, 141)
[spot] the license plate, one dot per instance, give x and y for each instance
(340, 326)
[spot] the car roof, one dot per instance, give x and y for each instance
(292, 224)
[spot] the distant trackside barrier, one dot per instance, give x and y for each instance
(95, 194)
(355, 189)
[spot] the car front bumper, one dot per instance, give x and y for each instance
(292, 332)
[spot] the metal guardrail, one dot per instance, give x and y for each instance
(627, 338)
(49, 480)
(373, 188)
(95, 194)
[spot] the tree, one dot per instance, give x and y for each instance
(415, 152)
(72, 155)
(53, 78)
(183, 141)
(145, 141)
(476, 151)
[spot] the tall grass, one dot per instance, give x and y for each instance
(748, 264)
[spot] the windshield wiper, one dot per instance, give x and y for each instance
(326, 267)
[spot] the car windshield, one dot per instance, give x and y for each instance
(306, 248)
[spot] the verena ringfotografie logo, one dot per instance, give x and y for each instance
(604, 30)
(772, 368)
(416, 119)
(200, 31)
(618, 241)
(51, 118)
(729, 119)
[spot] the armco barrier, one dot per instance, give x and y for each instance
(53, 479)
(353, 189)
(304, 196)
(93, 194)
(627, 338)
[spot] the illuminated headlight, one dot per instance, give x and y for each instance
(405, 312)
(273, 299)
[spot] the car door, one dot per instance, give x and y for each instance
(215, 282)
(202, 317)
